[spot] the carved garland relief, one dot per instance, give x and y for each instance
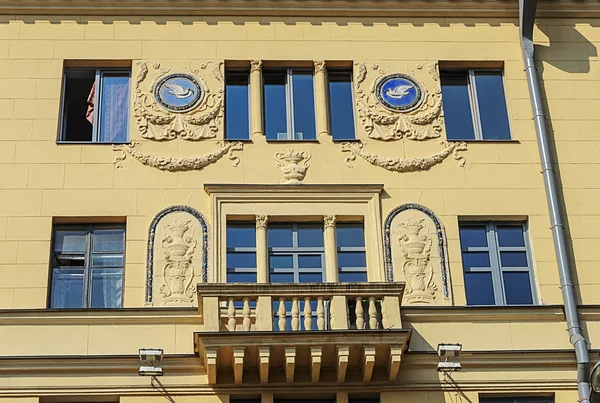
(185, 104)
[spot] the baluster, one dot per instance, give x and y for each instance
(231, 314)
(246, 314)
(372, 313)
(360, 320)
(295, 314)
(320, 314)
(307, 314)
(281, 314)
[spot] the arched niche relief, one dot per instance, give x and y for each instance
(177, 257)
(416, 253)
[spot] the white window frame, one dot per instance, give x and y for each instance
(99, 80)
(493, 250)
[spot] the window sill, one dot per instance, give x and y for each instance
(511, 141)
(239, 140)
(63, 142)
(292, 141)
(346, 140)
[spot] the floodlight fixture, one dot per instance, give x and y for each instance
(449, 366)
(449, 349)
(150, 370)
(151, 354)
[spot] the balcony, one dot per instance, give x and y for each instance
(301, 333)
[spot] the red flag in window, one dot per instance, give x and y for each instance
(89, 115)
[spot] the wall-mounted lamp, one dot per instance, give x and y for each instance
(148, 356)
(446, 352)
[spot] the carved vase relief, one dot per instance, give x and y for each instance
(182, 102)
(293, 165)
(178, 245)
(416, 254)
(396, 106)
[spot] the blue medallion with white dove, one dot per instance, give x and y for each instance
(398, 92)
(178, 92)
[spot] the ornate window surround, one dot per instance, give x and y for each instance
(295, 203)
(151, 239)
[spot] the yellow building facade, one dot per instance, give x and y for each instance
(294, 201)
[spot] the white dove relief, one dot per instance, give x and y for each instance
(178, 91)
(398, 92)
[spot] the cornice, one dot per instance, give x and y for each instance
(537, 313)
(287, 189)
(358, 8)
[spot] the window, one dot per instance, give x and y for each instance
(341, 104)
(289, 104)
(516, 400)
(237, 105)
(95, 106)
(496, 264)
(296, 253)
(87, 266)
(474, 105)
(241, 253)
(352, 261)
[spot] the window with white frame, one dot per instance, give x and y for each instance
(474, 104)
(497, 263)
(241, 252)
(237, 104)
(289, 104)
(87, 266)
(351, 255)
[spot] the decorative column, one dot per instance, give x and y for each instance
(262, 253)
(256, 97)
(321, 98)
(331, 264)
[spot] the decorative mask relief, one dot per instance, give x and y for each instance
(397, 106)
(293, 165)
(175, 262)
(416, 253)
(179, 105)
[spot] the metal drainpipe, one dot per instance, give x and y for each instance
(527, 10)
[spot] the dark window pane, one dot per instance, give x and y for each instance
(311, 277)
(233, 277)
(517, 288)
(280, 235)
(475, 260)
(108, 240)
(341, 105)
(352, 276)
(310, 235)
(107, 288)
(281, 261)
(282, 278)
(241, 259)
(114, 108)
(350, 235)
(304, 105)
(309, 261)
(67, 288)
(78, 87)
(275, 104)
(70, 241)
(492, 105)
(237, 126)
(513, 259)
(241, 236)
(473, 237)
(107, 260)
(457, 106)
(352, 259)
(479, 288)
(510, 236)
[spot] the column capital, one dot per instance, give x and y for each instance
(255, 65)
(261, 221)
(319, 66)
(329, 221)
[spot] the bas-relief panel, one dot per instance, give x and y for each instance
(177, 257)
(417, 255)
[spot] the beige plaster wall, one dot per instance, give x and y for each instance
(40, 179)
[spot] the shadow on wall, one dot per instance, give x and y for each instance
(570, 52)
